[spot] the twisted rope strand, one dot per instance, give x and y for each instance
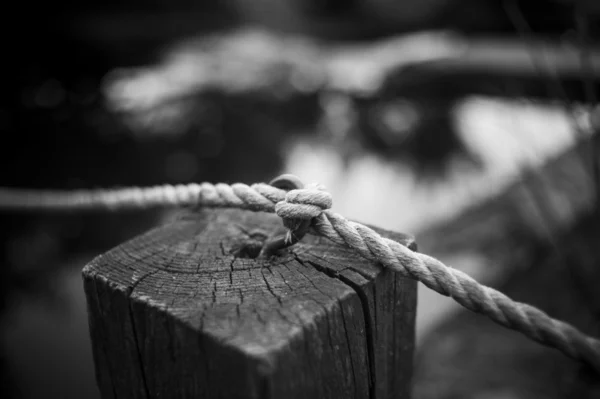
(448, 281)
(313, 204)
(258, 197)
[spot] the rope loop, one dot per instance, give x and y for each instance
(303, 204)
(297, 210)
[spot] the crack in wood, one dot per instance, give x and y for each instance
(269, 288)
(135, 333)
(203, 311)
(366, 314)
(349, 348)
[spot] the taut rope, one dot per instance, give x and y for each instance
(313, 204)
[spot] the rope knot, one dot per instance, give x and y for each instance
(302, 204)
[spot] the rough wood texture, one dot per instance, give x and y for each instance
(186, 311)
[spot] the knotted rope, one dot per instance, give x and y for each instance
(313, 204)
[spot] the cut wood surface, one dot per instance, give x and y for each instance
(188, 310)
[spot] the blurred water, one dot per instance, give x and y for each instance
(507, 135)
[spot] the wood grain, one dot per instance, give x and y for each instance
(187, 310)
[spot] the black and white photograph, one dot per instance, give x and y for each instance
(300, 199)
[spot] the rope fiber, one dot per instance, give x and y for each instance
(313, 203)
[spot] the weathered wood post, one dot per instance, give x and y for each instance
(188, 311)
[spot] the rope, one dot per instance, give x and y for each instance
(314, 204)
(258, 197)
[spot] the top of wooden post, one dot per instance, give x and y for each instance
(188, 310)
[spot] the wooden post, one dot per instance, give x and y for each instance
(188, 311)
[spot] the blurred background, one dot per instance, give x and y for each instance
(468, 123)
